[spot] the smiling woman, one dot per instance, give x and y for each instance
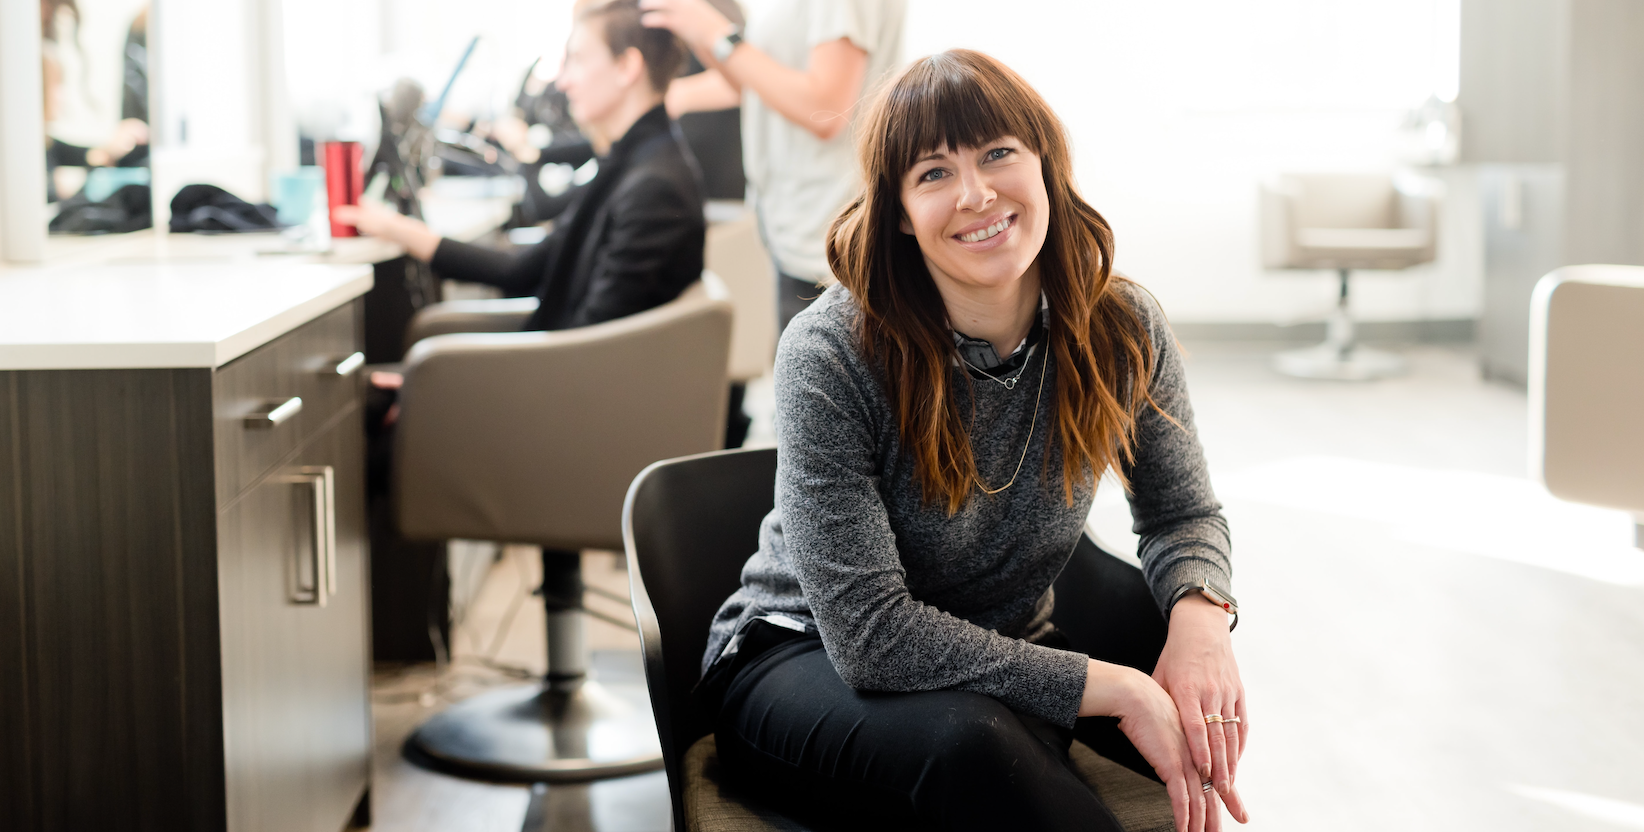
(977, 325)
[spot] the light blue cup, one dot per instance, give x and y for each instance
(297, 194)
(101, 183)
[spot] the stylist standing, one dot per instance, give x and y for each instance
(798, 69)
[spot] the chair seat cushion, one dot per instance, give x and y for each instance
(711, 805)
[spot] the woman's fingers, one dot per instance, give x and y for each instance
(1198, 738)
(1216, 731)
(1200, 798)
(1180, 800)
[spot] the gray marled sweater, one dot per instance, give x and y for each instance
(907, 598)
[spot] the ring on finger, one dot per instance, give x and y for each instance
(1209, 718)
(1227, 720)
(1209, 786)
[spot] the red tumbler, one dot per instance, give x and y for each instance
(344, 180)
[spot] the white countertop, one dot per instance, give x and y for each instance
(150, 299)
(192, 313)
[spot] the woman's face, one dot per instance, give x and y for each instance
(594, 81)
(979, 213)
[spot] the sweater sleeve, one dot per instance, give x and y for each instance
(1184, 538)
(517, 275)
(838, 536)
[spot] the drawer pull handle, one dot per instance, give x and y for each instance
(347, 366)
(263, 419)
(322, 571)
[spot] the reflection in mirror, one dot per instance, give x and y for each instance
(95, 70)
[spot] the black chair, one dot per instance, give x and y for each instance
(689, 525)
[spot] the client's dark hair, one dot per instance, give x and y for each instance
(663, 53)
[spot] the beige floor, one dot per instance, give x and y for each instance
(1430, 641)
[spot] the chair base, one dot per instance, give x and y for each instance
(1332, 362)
(542, 733)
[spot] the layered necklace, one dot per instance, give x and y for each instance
(1009, 383)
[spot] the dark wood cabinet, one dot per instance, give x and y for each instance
(184, 639)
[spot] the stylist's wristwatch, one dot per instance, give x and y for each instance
(727, 44)
(1219, 597)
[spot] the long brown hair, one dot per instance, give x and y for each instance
(1103, 355)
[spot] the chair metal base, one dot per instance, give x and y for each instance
(1329, 361)
(1339, 358)
(543, 733)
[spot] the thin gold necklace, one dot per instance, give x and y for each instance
(1031, 425)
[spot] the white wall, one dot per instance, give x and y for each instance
(1177, 108)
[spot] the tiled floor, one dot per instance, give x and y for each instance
(1429, 642)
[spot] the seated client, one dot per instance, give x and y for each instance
(895, 652)
(632, 239)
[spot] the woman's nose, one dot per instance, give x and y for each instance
(975, 193)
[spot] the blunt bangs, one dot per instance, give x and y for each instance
(942, 101)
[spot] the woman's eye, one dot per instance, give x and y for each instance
(932, 175)
(998, 153)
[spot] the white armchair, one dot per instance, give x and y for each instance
(1346, 222)
(1587, 386)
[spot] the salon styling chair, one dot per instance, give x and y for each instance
(689, 525)
(1344, 222)
(1587, 387)
(533, 437)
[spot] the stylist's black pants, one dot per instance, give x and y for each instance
(790, 728)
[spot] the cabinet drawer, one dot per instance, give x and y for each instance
(302, 364)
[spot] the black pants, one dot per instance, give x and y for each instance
(792, 729)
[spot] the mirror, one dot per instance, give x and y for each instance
(95, 72)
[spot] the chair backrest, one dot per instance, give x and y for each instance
(1587, 386)
(735, 253)
(689, 525)
(585, 410)
(1342, 200)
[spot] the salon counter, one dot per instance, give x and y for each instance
(183, 535)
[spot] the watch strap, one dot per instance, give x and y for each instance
(1212, 594)
(727, 44)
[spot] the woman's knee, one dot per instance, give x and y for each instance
(977, 734)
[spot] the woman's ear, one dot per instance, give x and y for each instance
(902, 223)
(631, 65)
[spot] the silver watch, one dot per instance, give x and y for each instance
(727, 44)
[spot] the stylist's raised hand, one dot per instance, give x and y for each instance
(1198, 671)
(694, 21)
(1149, 720)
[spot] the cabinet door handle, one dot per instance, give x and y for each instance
(273, 415)
(322, 481)
(344, 366)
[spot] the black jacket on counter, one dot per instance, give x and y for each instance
(631, 241)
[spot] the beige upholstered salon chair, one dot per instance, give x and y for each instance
(533, 437)
(690, 524)
(1587, 386)
(1344, 222)
(735, 253)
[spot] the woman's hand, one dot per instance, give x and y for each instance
(694, 21)
(1198, 671)
(1149, 719)
(377, 220)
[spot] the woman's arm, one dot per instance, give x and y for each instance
(703, 92)
(1184, 540)
(376, 220)
(818, 98)
(517, 275)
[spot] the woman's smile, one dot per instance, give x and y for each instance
(987, 234)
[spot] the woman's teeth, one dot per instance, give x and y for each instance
(979, 236)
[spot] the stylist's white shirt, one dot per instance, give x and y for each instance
(798, 182)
